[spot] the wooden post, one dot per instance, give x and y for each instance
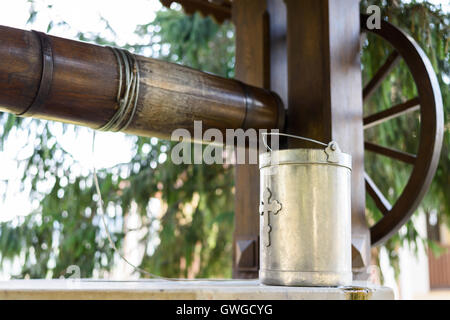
(312, 62)
(324, 89)
(252, 67)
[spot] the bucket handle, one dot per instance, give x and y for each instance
(332, 149)
(264, 134)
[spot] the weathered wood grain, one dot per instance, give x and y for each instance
(85, 83)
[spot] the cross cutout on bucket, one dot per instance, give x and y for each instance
(265, 208)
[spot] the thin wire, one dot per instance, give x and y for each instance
(264, 134)
(129, 67)
(100, 209)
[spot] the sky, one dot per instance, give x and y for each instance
(81, 15)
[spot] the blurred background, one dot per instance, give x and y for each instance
(177, 220)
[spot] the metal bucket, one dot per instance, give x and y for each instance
(305, 224)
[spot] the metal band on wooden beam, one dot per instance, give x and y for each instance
(251, 116)
(46, 75)
(128, 97)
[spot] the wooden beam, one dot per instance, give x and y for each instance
(218, 10)
(80, 82)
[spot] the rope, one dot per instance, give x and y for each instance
(101, 210)
(127, 102)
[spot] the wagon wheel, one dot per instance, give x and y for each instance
(429, 104)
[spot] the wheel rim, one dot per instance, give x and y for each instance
(431, 130)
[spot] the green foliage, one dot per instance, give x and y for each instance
(190, 41)
(192, 234)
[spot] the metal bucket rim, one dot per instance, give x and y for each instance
(303, 156)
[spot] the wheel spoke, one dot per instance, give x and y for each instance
(381, 74)
(391, 153)
(380, 201)
(391, 113)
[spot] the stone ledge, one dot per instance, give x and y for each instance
(180, 290)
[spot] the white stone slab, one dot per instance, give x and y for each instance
(189, 290)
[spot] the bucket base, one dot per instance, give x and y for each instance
(305, 279)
